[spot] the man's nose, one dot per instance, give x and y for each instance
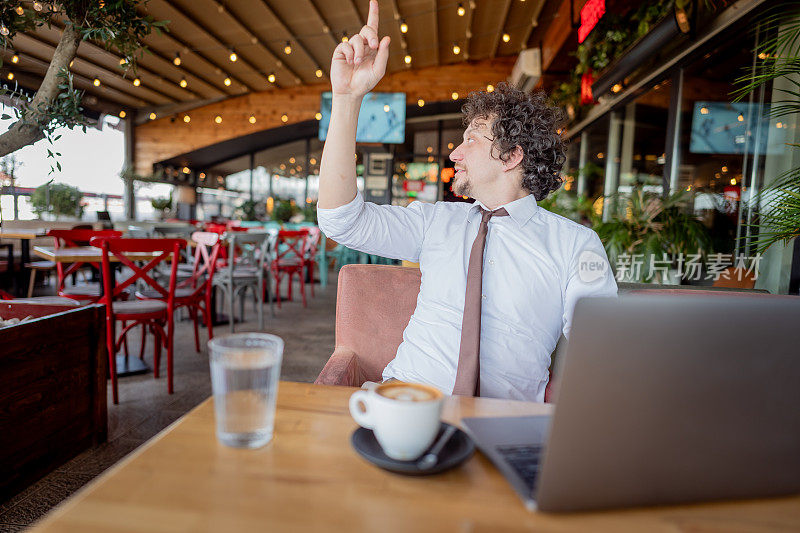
(455, 155)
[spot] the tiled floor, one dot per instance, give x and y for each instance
(145, 408)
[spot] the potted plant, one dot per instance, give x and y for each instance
(58, 199)
(249, 210)
(649, 229)
(161, 206)
(284, 210)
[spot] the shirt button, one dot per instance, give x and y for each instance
(491, 261)
(483, 296)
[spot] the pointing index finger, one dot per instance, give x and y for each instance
(372, 18)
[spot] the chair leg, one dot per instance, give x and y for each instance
(311, 272)
(125, 341)
(260, 296)
(156, 351)
(207, 312)
(112, 358)
(291, 279)
(232, 317)
(169, 343)
(31, 282)
(268, 294)
(278, 289)
(195, 319)
(144, 338)
(303, 289)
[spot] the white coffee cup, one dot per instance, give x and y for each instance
(405, 417)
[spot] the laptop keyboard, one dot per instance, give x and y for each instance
(524, 460)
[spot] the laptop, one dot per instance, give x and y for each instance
(662, 400)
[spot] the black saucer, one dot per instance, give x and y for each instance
(455, 452)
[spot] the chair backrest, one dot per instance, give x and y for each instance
(312, 242)
(206, 252)
(161, 250)
(291, 245)
(250, 248)
(72, 238)
(374, 304)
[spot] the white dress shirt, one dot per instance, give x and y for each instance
(536, 265)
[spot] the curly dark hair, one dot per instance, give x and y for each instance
(527, 121)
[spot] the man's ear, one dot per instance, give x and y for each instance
(514, 159)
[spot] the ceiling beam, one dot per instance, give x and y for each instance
(81, 82)
(256, 40)
(435, 14)
(133, 91)
(532, 25)
(397, 17)
(470, 13)
(300, 45)
(222, 45)
(503, 21)
(325, 24)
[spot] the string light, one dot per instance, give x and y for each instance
(271, 77)
(456, 49)
(288, 48)
(19, 10)
(490, 88)
(616, 88)
(96, 82)
(122, 114)
(136, 82)
(318, 73)
(386, 108)
(183, 83)
(233, 57)
(344, 37)
(740, 118)
(292, 160)
(407, 59)
(4, 30)
(252, 119)
(312, 161)
(284, 118)
(403, 26)
(152, 116)
(420, 102)
(506, 37)
(37, 6)
(218, 119)
(461, 11)
(187, 119)
(177, 60)
(186, 170)
(227, 81)
(704, 111)
(10, 76)
(318, 115)
(15, 58)
(122, 61)
(454, 96)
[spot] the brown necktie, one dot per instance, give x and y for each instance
(468, 373)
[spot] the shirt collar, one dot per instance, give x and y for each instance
(520, 210)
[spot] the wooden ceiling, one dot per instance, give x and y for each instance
(204, 34)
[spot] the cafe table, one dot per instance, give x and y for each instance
(309, 478)
(25, 237)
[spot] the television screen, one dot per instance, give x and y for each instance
(724, 127)
(382, 118)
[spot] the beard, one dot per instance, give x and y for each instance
(462, 186)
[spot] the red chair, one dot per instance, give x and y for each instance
(310, 253)
(151, 314)
(194, 292)
(290, 260)
(76, 238)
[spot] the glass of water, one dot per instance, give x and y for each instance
(244, 379)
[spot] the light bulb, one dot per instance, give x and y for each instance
(122, 61)
(456, 49)
(152, 116)
(122, 114)
(740, 118)
(318, 115)
(136, 82)
(252, 119)
(461, 11)
(37, 6)
(183, 82)
(187, 118)
(287, 49)
(227, 81)
(177, 60)
(10, 75)
(15, 58)
(4, 30)
(271, 77)
(233, 57)
(403, 27)
(218, 119)
(284, 118)
(407, 59)
(386, 108)
(420, 102)
(344, 37)
(489, 88)
(506, 37)
(454, 96)
(96, 82)
(318, 73)
(19, 10)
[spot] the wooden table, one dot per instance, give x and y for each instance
(86, 254)
(309, 478)
(25, 237)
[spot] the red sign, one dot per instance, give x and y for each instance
(415, 186)
(591, 13)
(586, 88)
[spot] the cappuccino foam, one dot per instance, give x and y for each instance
(407, 393)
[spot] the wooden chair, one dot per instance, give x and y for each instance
(73, 238)
(151, 314)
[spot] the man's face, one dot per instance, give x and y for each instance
(476, 169)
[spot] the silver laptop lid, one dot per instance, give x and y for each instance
(668, 399)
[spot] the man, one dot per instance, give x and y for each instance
(500, 277)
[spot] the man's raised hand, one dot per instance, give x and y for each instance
(360, 63)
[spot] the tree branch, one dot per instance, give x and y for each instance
(29, 129)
